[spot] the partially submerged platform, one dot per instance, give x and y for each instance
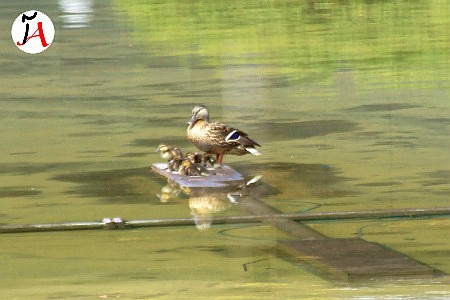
(223, 176)
(340, 258)
(354, 259)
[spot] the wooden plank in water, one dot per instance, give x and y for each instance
(293, 229)
(221, 177)
(354, 258)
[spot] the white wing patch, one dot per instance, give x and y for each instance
(253, 151)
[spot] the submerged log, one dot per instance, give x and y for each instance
(323, 216)
(355, 259)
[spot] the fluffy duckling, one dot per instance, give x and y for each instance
(188, 168)
(218, 138)
(174, 164)
(169, 152)
(204, 159)
(208, 160)
(194, 157)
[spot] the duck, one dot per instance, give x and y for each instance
(169, 152)
(218, 138)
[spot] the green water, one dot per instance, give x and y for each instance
(349, 100)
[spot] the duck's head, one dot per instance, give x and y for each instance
(162, 148)
(168, 152)
(199, 112)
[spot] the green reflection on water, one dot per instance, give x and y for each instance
(305, 40)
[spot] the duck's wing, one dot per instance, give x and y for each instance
(236, 135)
(230, 135)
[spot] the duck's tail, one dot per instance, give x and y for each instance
(253, 151)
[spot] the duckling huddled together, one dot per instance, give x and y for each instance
(189, 164)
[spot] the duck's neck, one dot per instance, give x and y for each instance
(198, 124)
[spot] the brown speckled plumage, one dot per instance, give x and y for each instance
(218, 138)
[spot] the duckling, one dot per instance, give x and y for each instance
(169, 152)
(200, 162)
(194, 157)
(208, 160)
(174, 164)
(204, 159)
(218, 138)
(188, 168)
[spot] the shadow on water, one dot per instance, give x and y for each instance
(18, 191)
(134, 185)
(439, 177)
(382, 107)
(296, 180)
(152, 143)
(138, 185)
(306, 129)
(24, 168)
(274, 130)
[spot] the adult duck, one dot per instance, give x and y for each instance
(218, 138)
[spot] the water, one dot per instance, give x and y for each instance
(349, 100)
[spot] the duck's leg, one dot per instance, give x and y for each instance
(220, 158)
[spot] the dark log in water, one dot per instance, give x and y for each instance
(322, 216)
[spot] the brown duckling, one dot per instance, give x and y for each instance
(188, 168)
(201, 162)
(174, 164)
(208, 160)
(194, 157)
(205, 159)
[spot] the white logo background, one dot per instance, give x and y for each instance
(34, 44)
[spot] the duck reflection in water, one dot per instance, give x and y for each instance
(205, 202)
(169, 191)
(203, 207)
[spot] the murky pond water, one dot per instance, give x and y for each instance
(349, 100)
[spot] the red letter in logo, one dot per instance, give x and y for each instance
(41, 35)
